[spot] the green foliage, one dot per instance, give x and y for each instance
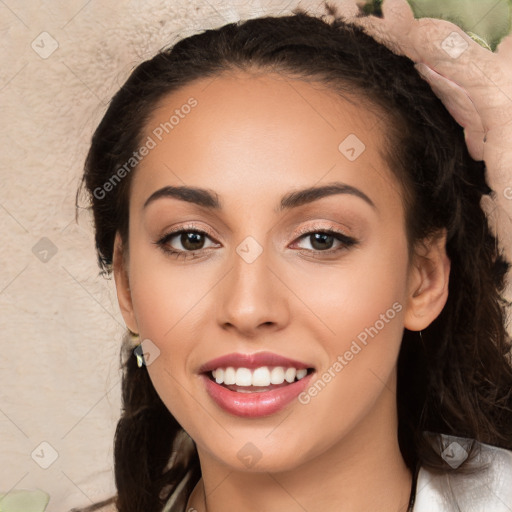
(486, 21)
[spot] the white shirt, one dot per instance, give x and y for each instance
(488, 489)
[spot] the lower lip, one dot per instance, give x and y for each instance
(257, 404)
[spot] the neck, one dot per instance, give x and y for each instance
(363, 471)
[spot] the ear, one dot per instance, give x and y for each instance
(124, 297)
(429, 275)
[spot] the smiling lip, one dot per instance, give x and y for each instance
(252, 361)
(256, 403)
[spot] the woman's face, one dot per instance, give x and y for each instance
(266, 278)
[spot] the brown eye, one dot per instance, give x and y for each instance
(184, 243)
(322, 240)
(192, 240)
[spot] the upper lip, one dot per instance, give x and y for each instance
(252, 361)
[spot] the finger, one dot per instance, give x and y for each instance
(429, 37)
(461, 107)
(445, 48)
(475, 143)
(454, 97)
(498, 156)
(483, 75)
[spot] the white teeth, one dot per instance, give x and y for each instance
(243, 377)
(277, 375)
(301, 373)
(289, 374)
(229, 376)
(262, 376)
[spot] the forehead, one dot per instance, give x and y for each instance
(255, 98)
(255, 130)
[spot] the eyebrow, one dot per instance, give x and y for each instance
(210, 199)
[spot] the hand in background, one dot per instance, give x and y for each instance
(474, 84)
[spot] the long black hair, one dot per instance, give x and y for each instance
(457, 379)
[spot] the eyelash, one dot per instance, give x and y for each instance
(346, 241)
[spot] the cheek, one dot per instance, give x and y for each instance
(169, 302)
(367, 287)
(164, 310)
(362, 306)
(165, 294)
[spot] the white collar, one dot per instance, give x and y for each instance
(488, 488)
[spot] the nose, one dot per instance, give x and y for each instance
(253, 297)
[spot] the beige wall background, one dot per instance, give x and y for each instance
(61, 61)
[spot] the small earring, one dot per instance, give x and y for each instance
(137, 352)
(140, 361)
